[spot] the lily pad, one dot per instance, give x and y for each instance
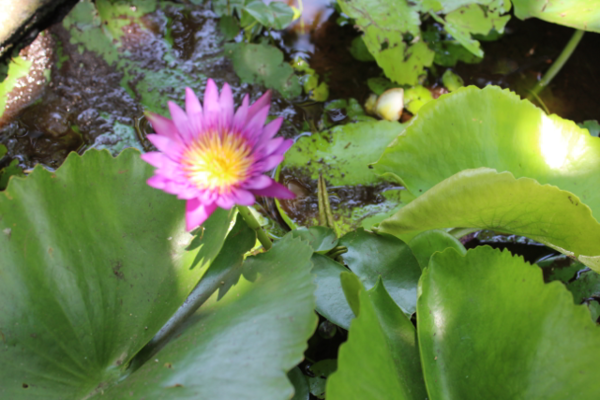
(586, 286)
(11, 169)
(359, 197)
(384, 23)
(483, 198)
(261, 63)
(380, 360)
(321, 239)
(428, 243)
(320, 371)
(579, 14)
(494, 128)
(17, 68)
(560, 268)
(489, 326)
(329, 295)
(301, 391)
(372, 257)
(93, 265)
(216, 356)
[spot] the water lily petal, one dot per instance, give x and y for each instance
(196, 213)
(194, 110)
(225, 201)
(258, 182)
(283, 147)
(271, 129)
(164, 126)
(268, 147)
(212, 107)
(157, 181)
(180, 119)
(156, 159)
(276, 190)
(243, 197)
(259, 104)
(226, 101)
(168, 146)
(208, 196)
(187, 193)
(164, 184)
(192, 104)
(253, 128)
(270, 162)
(241, 114)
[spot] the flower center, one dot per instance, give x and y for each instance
(216, 161)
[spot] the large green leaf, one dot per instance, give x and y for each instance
(342, 155)
(488, 327)
(320, 238)
(93, 264)
(330, 299)
(221, 275)
(494, 128)
(580, 14)
(241, 346)
(428, 243)
(380, 360)
(371, 257)
(484, 198)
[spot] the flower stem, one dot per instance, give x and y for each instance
(253, 224)
(558, 63)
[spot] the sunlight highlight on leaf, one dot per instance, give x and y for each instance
(557, 148)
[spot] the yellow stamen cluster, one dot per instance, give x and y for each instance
(216, 161)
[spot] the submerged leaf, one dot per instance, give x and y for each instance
(342, 155)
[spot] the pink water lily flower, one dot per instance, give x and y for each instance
(215, 156)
